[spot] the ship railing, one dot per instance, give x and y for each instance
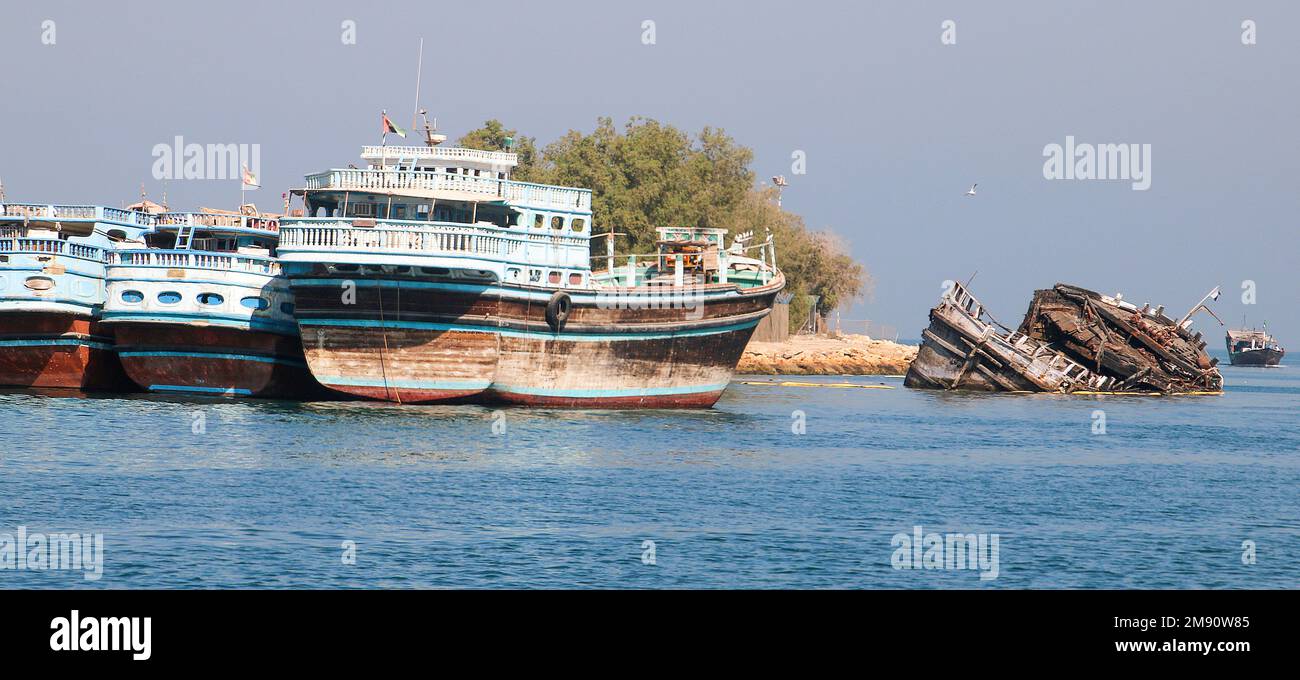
(192, 259)
(424, 240)
(51, 246)
(202, 219)
(77, 212)
(451, 153)
(490, 188)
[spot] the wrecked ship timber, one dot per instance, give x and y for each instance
(1072, 340)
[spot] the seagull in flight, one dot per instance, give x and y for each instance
(971, 190)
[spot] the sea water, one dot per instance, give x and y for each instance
(777, 486)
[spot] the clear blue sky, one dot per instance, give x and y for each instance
(895, 125)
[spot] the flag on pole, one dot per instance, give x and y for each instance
(390, 126)
(250, 180)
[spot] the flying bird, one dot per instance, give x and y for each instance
(971, 190)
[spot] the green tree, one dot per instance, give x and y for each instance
(654, 175)
(493, 137)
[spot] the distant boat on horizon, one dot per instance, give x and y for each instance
(1253, 347)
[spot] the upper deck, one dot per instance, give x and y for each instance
(429, 185)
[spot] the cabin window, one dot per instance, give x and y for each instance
(575, 279)
(255, 303)
(421, 209)
(512, 274)
(363, 209)
(132, 297)
(534, 276)
(211, 299)
(169, 297)
(39, 282)
(553, 277)
(501, 175)
(539, 221)
(557, 222)
(287, 308)
(579, 224)
(399, 212)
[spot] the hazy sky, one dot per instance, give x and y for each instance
(895, 125)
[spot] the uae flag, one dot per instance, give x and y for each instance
(390, 126)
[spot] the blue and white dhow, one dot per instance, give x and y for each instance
(201, 307)
(431, 276)
(52, 293)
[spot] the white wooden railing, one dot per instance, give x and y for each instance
(537, 195)
(201, 219)
(450, 153)
(77, 212)
(191, 259)
(51, 246)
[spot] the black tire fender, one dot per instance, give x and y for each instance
(557, 310)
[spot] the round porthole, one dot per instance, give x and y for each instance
(132, 296)
(169, 297)
(210, 299)
(257, 303)
(39, 282)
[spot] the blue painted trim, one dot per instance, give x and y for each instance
(206, 282)
(61, 342)
(585, 296)
(213, 355)
(224, 391)
(607, 393)
(352, 381)
(227, 321)
(508, 332)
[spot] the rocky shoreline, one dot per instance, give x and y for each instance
(826, 355)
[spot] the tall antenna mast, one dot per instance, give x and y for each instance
(419, 71)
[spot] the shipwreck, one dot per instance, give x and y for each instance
(1072, 340)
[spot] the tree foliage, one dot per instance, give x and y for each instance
(492, 137)
(653, 175)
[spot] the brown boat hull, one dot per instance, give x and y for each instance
(430, 342)
(58, 350)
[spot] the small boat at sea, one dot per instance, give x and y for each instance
(1071, 340)
(52, 294)
(1253, 347)
(431, 276)
(200, 306)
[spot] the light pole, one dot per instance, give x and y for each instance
(780, 184)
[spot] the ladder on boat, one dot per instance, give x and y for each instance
(184, 234)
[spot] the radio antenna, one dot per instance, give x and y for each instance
(419, 70)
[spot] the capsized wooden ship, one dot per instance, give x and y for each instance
(1071, 340)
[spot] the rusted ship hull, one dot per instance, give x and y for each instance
(1257, 357)
(429, 341)
(1071, 340)
(212, 360)
(58, 350)
(963, 349)
(1142, 349)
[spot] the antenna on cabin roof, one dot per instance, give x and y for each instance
(419, 70)
(2, 191)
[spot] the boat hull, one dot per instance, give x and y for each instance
(1256, 357)
(179, 358)
(58, 350)
(429, 342)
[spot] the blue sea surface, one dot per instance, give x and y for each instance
(217, 493)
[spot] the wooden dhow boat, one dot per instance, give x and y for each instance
(430, 276)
